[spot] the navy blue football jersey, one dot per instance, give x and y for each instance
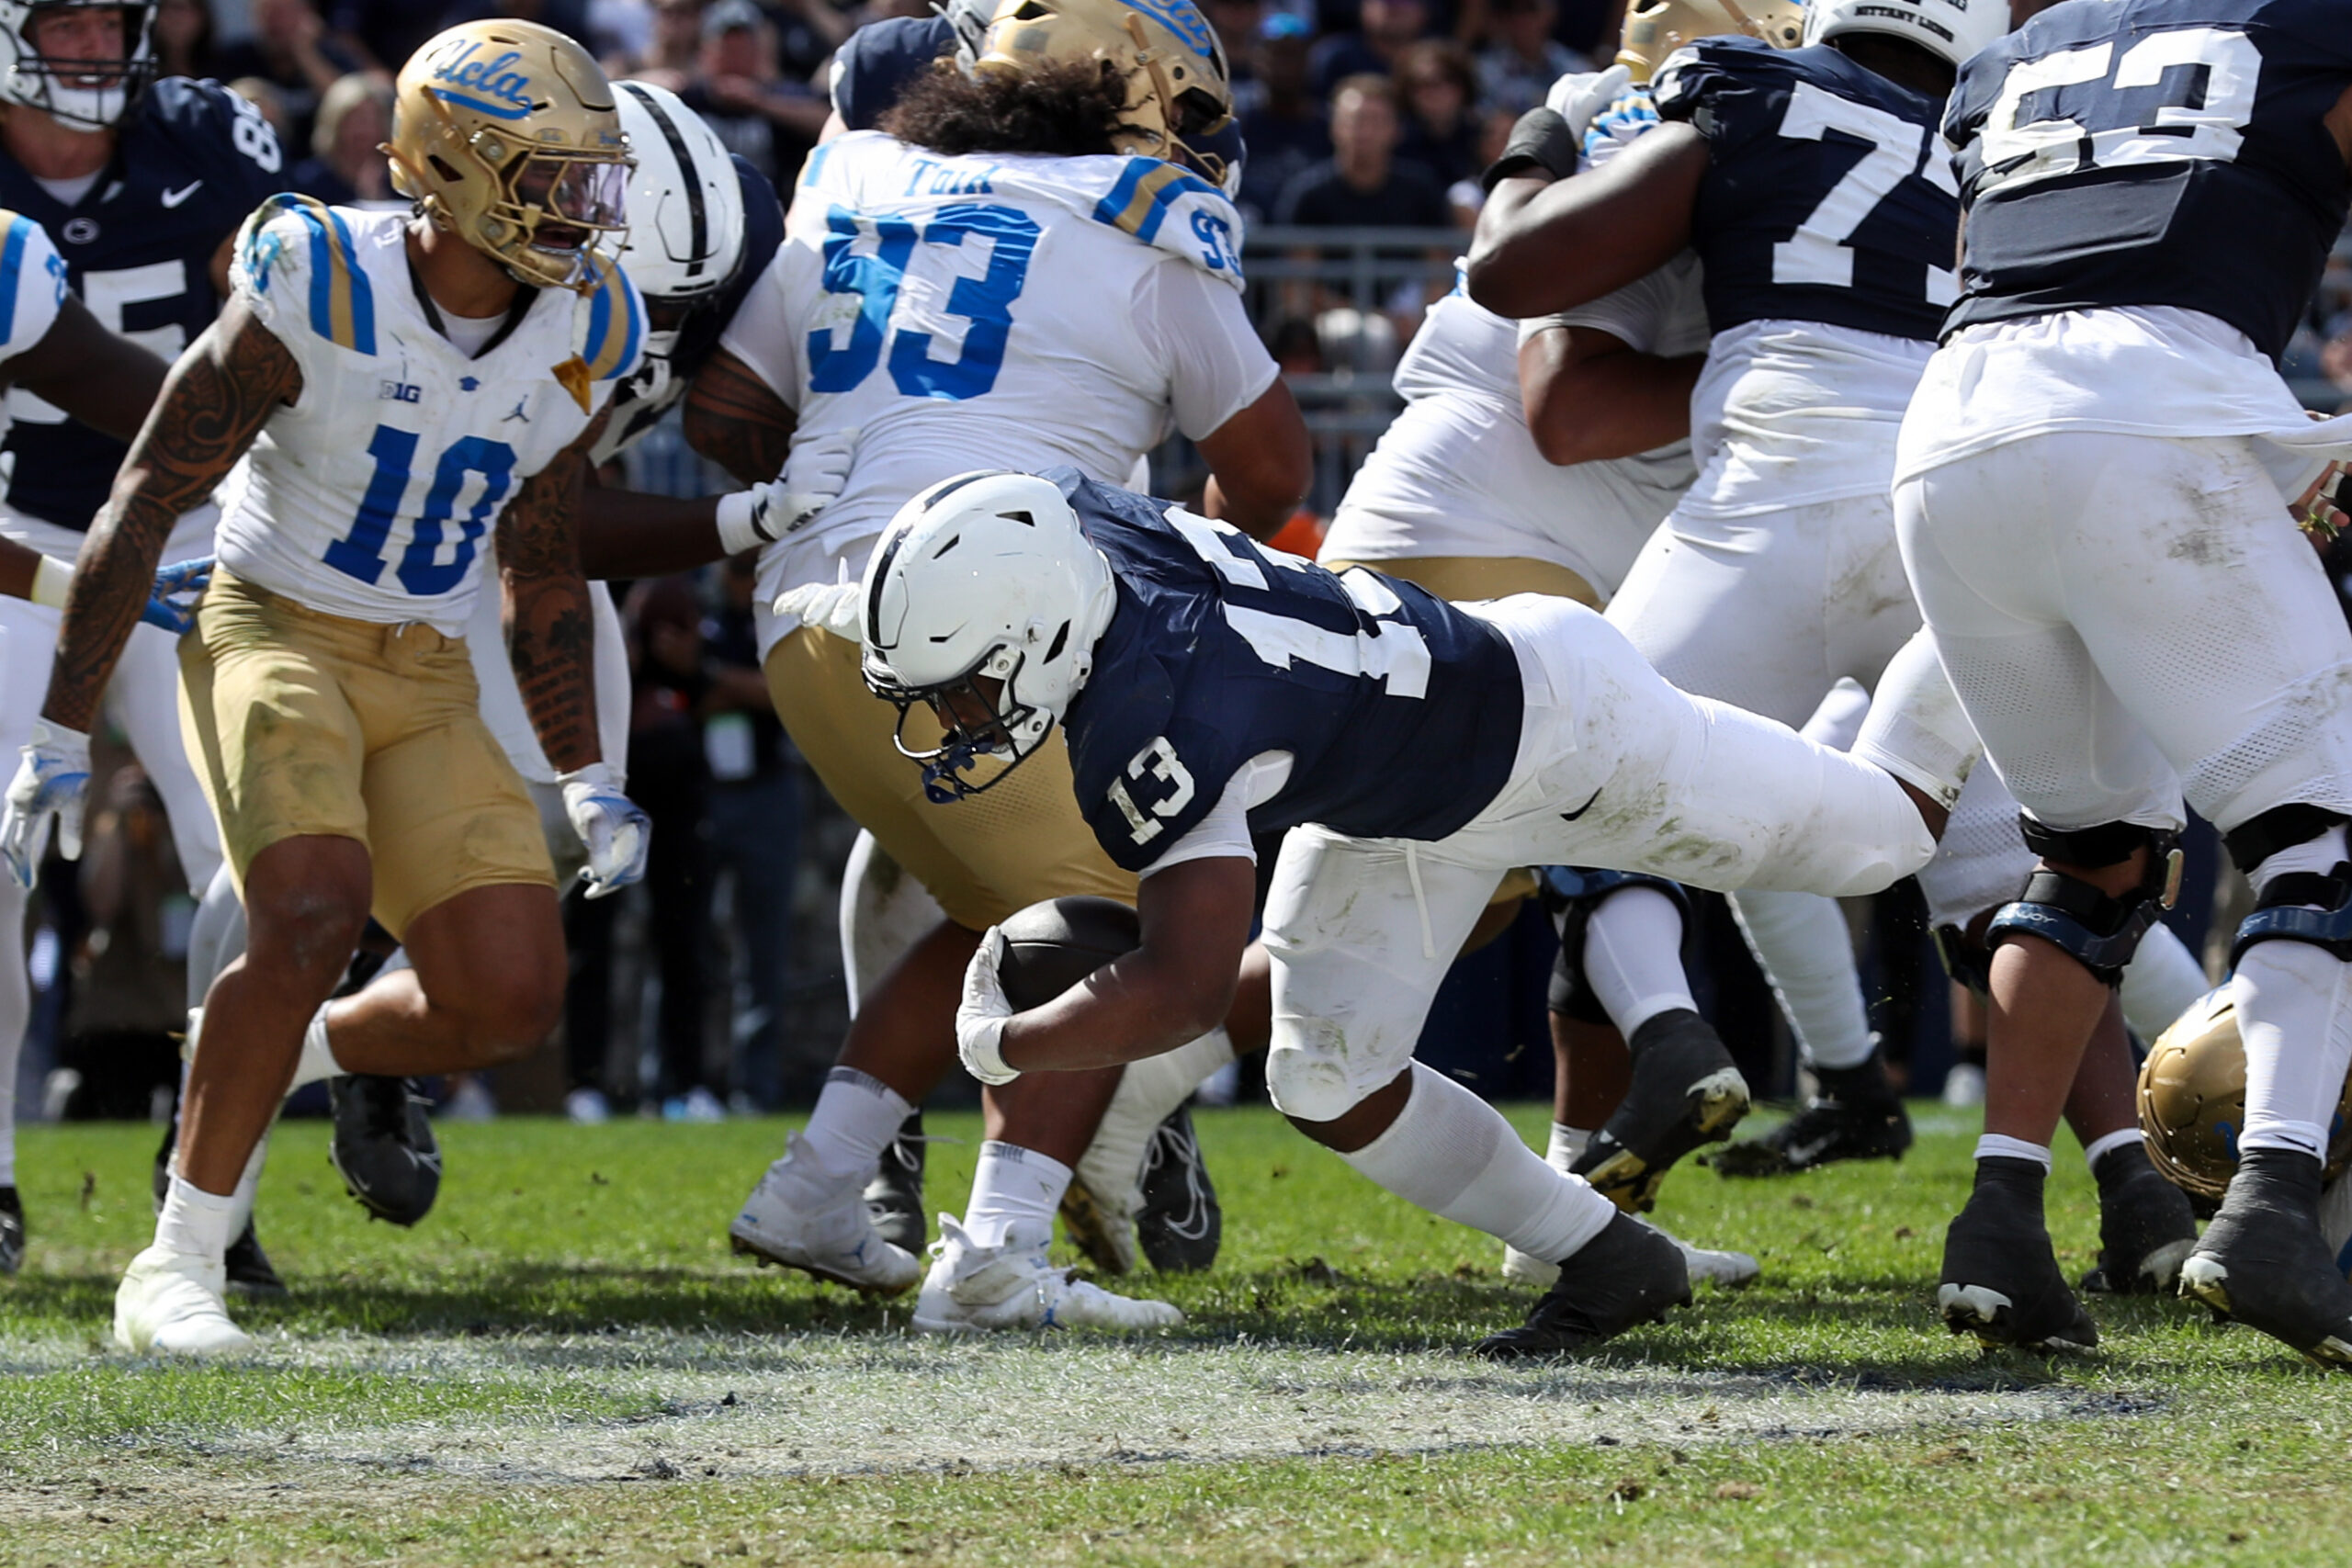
(1826, 198)
(1400, 713)
(193, 160)
(876, 63)
(2154, 152)
(656, 385)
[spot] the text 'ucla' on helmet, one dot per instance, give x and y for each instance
(99, 60)
(983, 577)
(505, 133)
(1949, 29)
(1180, 87)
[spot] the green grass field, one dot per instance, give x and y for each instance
(564, 1364)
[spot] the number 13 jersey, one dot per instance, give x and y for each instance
(371, 495)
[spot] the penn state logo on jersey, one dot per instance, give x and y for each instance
(1220, 650)
(2154, 152)
(138, 247)
(1827, 197)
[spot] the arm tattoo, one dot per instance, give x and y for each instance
(214, 403)
(552, 633)
(736, 419)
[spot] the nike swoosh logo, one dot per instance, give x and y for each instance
(1572, 816)
(173, 197)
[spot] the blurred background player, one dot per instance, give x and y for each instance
(139, 186)
(355, 345)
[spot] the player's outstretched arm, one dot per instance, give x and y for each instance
(1543, 246)
(1175, 988)
(214, 401)
(102, 378)
(1589, 396)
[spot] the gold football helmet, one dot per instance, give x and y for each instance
(1656, 29)
(505, 133)
(1178, 86)
(2192, 1101)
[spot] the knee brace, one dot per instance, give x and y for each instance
(1570, 894)
(1967, 955)
(2265, 833)
(2096, 930)
(2284, 913)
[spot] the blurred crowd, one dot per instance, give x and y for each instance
(715, 988)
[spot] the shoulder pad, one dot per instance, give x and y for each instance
(296, 250)
(615, 329)
(32, 280)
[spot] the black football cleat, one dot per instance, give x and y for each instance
(1686, 1091)
(12, 1231)
(1180, 1223)
(2001, 1280)
(1856, 1116)
(894, 1195)
(2264, 1263)
(2145, 1226)
(1627, 1275)
(384, 1149)
(248, 1267)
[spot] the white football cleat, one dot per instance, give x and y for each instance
(1728, 1268)
(169, 1304)
(799, 1217)
(971, 1288)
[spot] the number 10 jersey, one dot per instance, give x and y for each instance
(369, 496)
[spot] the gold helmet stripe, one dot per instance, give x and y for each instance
(343, 304)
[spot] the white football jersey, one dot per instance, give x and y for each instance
(1457, 473)
(991, 311)
(372, 494)
(32, 287)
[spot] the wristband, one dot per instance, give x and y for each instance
(981, 1044)
(738, 517)
(1540, 141)
(50, 580)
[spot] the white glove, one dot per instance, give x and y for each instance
(980, 1017)
(616, 830)
(829, 607)
(1581, 95)
(812, 476)
(50, 781)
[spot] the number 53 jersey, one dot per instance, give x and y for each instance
(989, 310)
(371, 495)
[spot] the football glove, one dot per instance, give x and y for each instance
(171, 604)
(980, 1017)
(830, 606)
(50, 781)
(615, 828)
(1578, 96)
(812, 476)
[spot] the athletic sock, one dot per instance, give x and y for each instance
(1452, 1154)
(857, 1115)
(2098, 1149)
(2292, 1001)
(1012, 1184)
(1999, 1146)
(317, 1063)
(195, 1223)
(1805, 951)
(1633, 957)
(1149, 1092)
(1566, 1146)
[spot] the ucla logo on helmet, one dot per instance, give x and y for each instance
(491, 84)
(1180, 18)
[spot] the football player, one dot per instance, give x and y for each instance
(139, 186)
(386, 388)
(1414, 749)
(2150, 189)
(1804, 181)
(1021, 243)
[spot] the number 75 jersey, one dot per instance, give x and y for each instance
(371, 495)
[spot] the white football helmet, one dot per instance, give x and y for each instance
(685, 202)
(92, 94)
(985, 575)
(1949, 29)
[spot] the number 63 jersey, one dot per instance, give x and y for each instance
(371, 495)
